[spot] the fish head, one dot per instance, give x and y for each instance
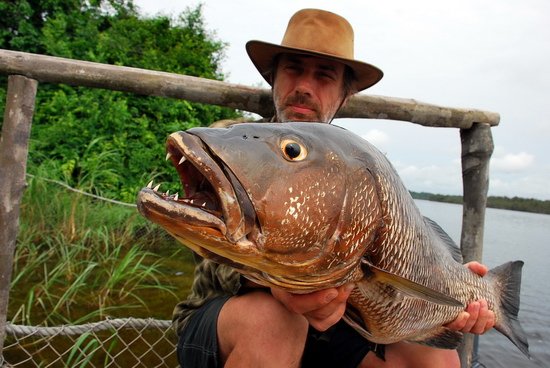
(285, 204)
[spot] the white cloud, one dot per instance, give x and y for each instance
(376, 137)
(431, 178)
(513, 162)
(531, 186)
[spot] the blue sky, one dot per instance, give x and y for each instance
(491, 55)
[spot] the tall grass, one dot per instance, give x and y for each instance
(78, 259)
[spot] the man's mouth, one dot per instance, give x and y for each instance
(301, 109)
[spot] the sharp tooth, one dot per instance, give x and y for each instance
(176, 197)
(167, 193)
(204, 204)
(156, 188)
(168, 155)
(182, 160)
(150, 185)
(191, 201)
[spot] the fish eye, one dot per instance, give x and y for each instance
(293, 150)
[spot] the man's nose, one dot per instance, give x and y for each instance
(304, 84)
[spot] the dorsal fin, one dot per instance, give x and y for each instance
(451, 245)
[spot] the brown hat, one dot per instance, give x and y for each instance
(318, 33)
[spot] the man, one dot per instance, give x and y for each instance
(230, 321)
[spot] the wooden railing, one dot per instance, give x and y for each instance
(26, 70)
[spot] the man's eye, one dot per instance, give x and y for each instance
(327, 76)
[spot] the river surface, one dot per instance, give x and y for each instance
(511, 235)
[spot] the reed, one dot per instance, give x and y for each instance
(80, 259)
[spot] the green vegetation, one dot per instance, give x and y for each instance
(116, 138)
(79, 259)
(506, 203)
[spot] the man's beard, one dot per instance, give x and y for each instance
(284, 114)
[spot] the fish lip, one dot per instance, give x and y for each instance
(154, 204)
(208, 198)
(199, 159)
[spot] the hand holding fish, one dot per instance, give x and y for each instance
(322, 308)
(477, 318)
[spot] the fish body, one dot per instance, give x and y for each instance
(308, 206)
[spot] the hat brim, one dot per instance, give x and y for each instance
(262, 55)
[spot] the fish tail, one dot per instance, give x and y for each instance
(508, 276)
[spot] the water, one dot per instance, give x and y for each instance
(511, 235)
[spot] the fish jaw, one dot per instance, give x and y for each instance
(216, 183)
(209, 211)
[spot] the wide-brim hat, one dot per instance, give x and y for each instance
(317, 33)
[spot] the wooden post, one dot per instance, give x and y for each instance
(14, 146)
(477, 148)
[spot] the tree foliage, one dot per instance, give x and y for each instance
(104, 141)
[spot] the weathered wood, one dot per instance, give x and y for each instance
(140, 81)
(477, 148)
(60, 70)
(380, 107)
(13, 164)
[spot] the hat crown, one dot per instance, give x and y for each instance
(320, 31)
(317, 33)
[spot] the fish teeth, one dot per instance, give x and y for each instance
(168, 155)
(182, 160)
(155, 189)
(176, 196)
(150, 185)
(167, 193)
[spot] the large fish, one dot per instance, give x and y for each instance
(307, 206)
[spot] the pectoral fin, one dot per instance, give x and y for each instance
(409, 287)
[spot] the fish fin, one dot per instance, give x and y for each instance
(450, 243)
(508, 275)
(409, 287)
(445, 339)
(353, 318)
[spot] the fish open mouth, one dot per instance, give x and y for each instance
(212, 196)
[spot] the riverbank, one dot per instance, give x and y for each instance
(515, 203)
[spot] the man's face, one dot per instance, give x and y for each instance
(307, 88)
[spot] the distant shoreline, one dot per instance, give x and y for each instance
(505, 203)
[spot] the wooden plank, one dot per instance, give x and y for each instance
(60, 70)
(14, 144)
(381, 107)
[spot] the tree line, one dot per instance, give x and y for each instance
(506, 203)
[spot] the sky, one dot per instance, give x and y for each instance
(490, 55)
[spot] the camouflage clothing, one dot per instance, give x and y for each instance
(211, 280)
